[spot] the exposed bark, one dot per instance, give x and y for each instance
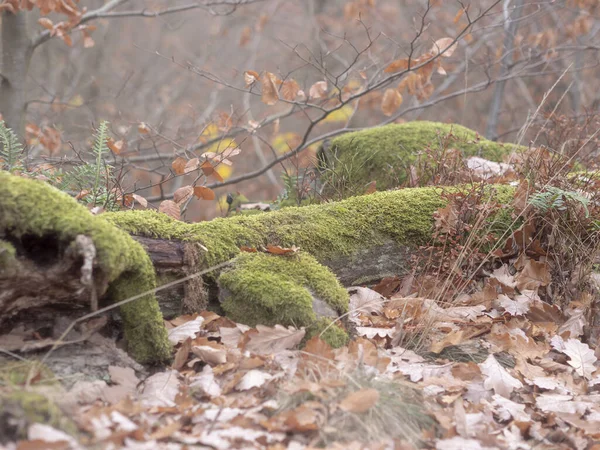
(16, 56)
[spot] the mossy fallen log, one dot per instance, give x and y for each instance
(358, 239)
(385, 154)
(46, 238)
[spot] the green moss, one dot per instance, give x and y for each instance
(384, 154)
(21, 408)
(7, 256)
(35, 209)
(270, 289)
(333, 334)
(325, 231)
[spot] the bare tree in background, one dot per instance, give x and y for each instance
(277, 77)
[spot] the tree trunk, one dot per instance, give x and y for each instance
(16, 55)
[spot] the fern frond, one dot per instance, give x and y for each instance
(10, 149)
(556, 198)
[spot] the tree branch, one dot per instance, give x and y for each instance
(106, 11)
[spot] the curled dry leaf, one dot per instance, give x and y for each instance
(183, 194)
(250, 77)
(170, 208)
(392, 99)
(318, 90)
(204, 193)
(178, 165)
(444, 47)
(269, 89)
(360, 401)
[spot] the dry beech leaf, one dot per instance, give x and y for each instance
(318, 90)
(183, 194)
(178, 165)
(250, 77)
(441, 44)
(273, 340)
(397, 65)
(208, 170)
(392, 99)
(360, 401)
(116, 146)
(191, 166)
(46, 23)
(170, 208)
(290, 89)
(141, 200)
(269, 89)
(143, 128)
(204, 193)
(243, 248)
(277, 250)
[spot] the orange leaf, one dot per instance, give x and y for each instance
(143, 128)
(116, 146)
(178, 165)
(209, 170)
(277, 250)
(397, 65)
(243, 248)
(141, 200)
(170, 208)
(204, 193)
(392, 99)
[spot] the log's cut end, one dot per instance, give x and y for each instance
(41, 262)
(287, 290)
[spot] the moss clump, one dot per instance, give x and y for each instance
(268, 289)
(20, 408)
(35, 209)
(384, 154)
(333, 334)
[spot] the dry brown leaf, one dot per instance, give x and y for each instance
(208, 170)
(204, 193)
(277, 250)
(170, 208)
(269, 89)
(141, 200)
(250, 77)
(116, 146)
(397, 65)
(143, 128)
(245, 36)
(191, 166)
(290, 89)
(392, 99)
(444, 45)
(183, 194)
(270, 340)
(46, 23)
(178, 165)
(318, 90)
(360, 401)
